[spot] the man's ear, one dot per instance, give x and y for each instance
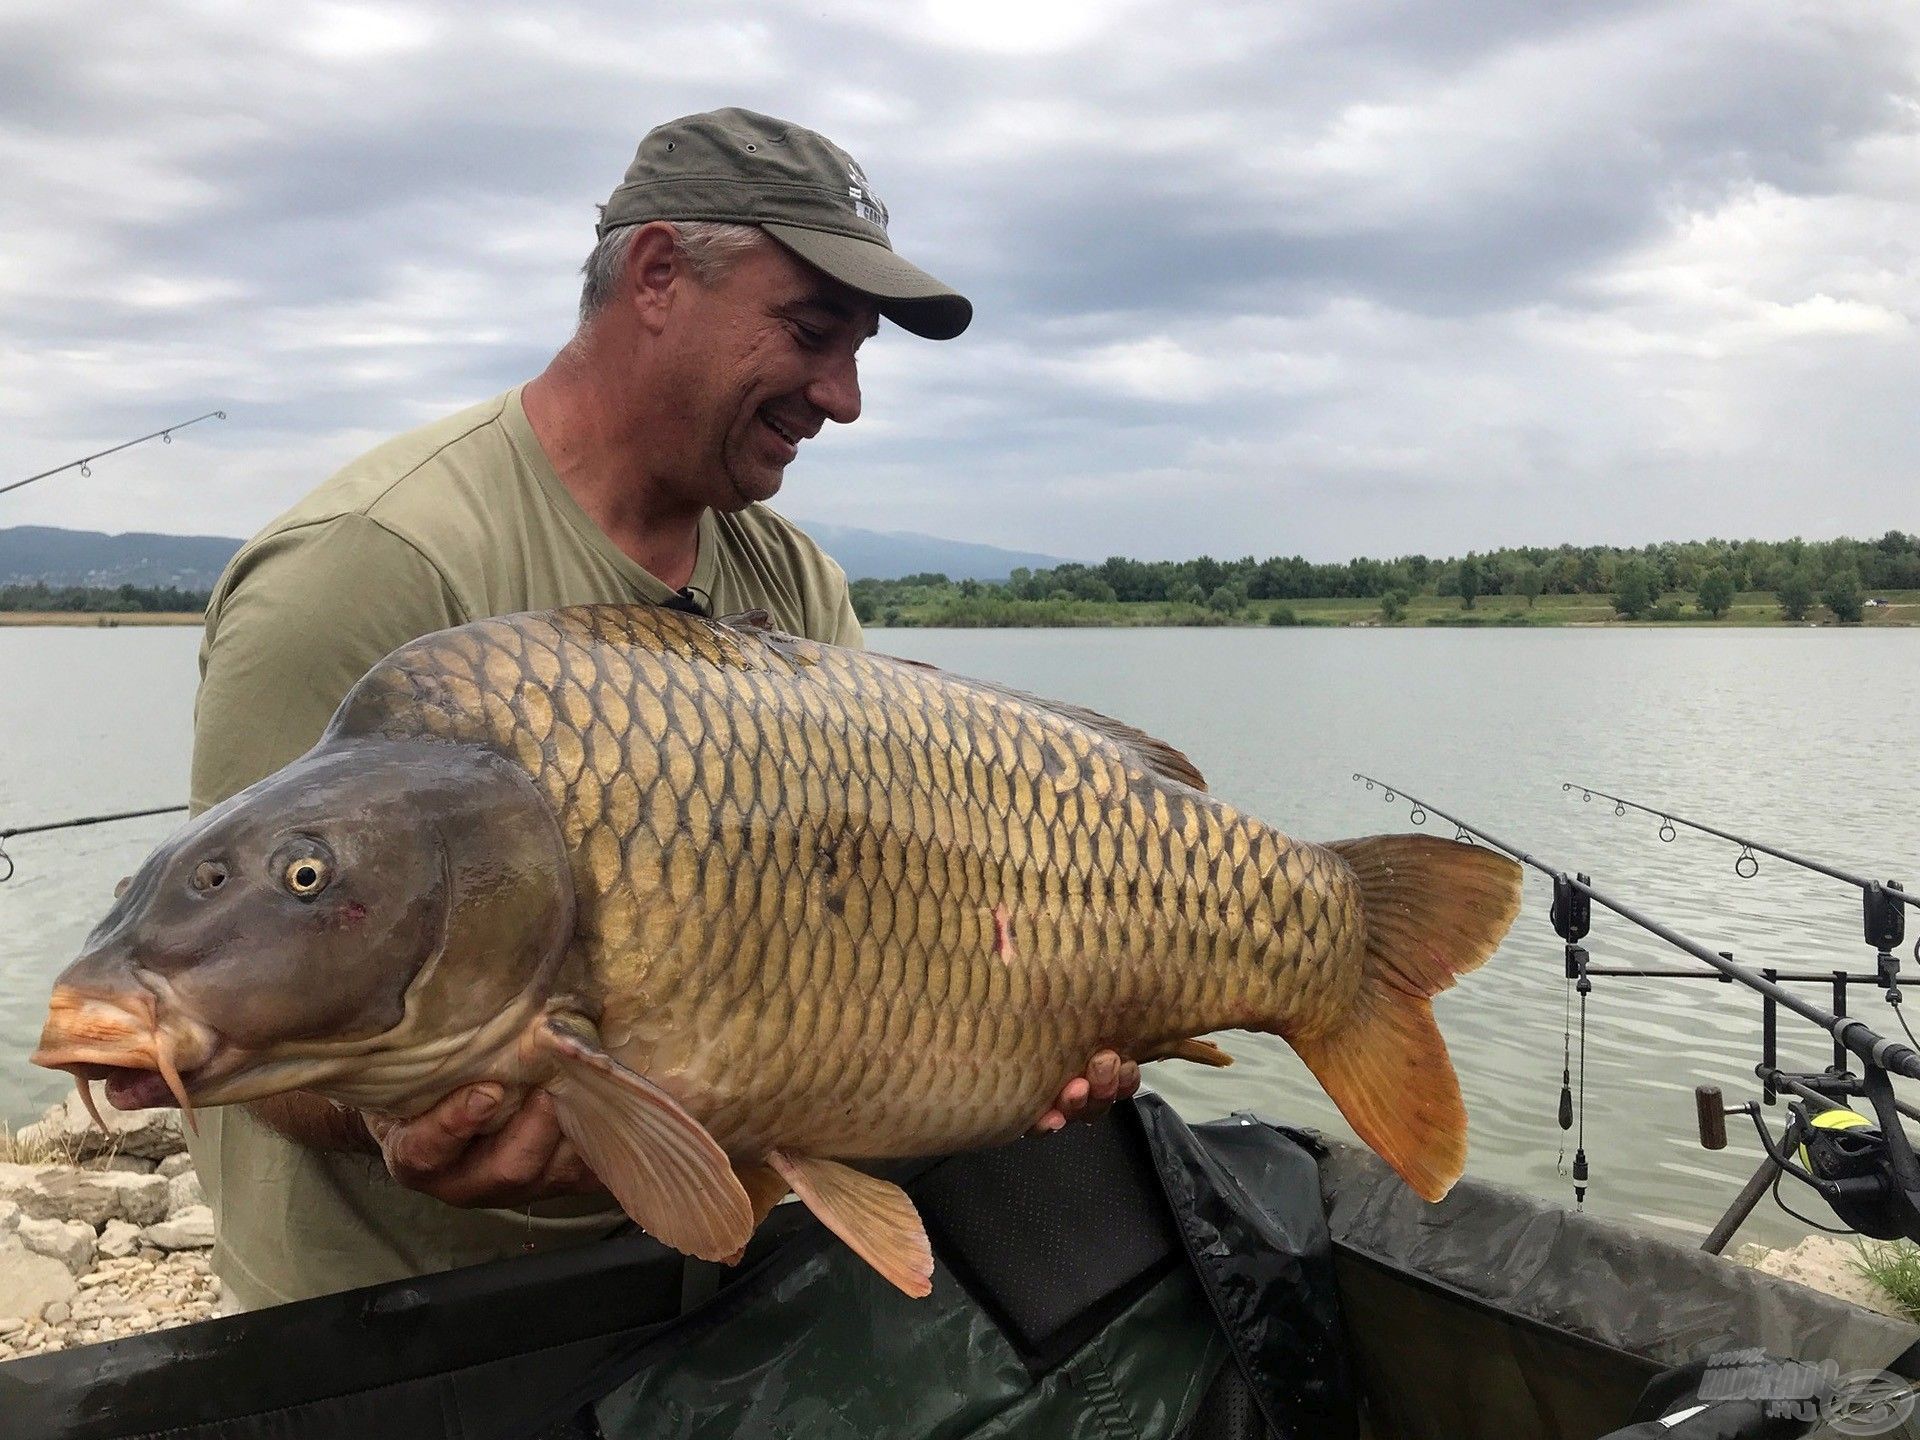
(654, 270)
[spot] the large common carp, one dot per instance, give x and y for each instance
(751, 907)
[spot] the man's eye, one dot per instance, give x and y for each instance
(808, 336)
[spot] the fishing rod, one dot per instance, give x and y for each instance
(1868, 1174)
(1881, 902)
(8, 834)
(85, 462)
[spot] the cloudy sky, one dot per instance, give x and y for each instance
(1334, 276)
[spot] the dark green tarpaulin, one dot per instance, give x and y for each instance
(1138, 1280)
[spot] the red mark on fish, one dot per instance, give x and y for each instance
(1002, 934)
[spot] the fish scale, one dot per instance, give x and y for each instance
(954, 799)
(750, 907)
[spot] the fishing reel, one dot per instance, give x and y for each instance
(1865, 1170)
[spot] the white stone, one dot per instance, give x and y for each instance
(131, 1164)
(147, 1134)
(28, 1281)
(58, 1313)
(118, 1240)
(11, 1325)
(60, 1192)
(183, 1193)
(175, 1165)
(68, 1241)
(189, 1230)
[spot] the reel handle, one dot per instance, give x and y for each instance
(1711, 1110)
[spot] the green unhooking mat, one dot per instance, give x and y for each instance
(1091, 1284)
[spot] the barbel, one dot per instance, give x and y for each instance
(165, 436)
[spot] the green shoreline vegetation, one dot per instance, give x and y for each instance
(1706, 582)
(108, 604)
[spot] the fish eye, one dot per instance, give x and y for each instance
(307, 876)
(207, 875)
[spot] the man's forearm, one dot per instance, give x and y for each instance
(315, 1123)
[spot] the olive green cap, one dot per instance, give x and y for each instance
(742, 168)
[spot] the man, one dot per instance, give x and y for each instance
(740, 266)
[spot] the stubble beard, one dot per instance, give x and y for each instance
(733, 462)
(740, 491)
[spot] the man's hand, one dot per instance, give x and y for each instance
(448, 1153)
(1088, 1097)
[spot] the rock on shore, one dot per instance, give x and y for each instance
(137, 1134)
(110, 1241)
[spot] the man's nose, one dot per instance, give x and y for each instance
(835, 391)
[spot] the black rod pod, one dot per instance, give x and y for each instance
(1854, 1036)
(1872, 1179)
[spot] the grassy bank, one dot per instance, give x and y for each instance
(101, 620)
(1752, 608)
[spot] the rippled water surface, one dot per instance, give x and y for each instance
(1802, 737)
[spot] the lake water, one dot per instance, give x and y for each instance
(1801, 737)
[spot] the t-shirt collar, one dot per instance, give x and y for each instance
(646, 584)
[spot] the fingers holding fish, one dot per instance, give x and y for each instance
(1109, 1078)
(1113, 1078)
(450, 1154)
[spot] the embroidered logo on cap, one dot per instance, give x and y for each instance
(866, 204)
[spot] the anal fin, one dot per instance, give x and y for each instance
(765, 1188)
(1200, 1052)
(873, 1216)
(666, 1171)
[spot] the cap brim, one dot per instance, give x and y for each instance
(907, 295)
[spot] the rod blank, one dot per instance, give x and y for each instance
(1668, 819)
(85, 460)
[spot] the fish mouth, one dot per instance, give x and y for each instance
(122, 1040)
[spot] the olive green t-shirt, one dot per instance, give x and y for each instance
(459, 520)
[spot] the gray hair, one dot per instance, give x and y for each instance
(709, 248)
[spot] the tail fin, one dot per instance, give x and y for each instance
(1431, 909)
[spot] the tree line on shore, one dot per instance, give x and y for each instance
(1838, 573)
(103, 599)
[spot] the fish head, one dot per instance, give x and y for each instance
(367, 901)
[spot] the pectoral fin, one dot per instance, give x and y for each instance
(874, 1217)
(663, 1167)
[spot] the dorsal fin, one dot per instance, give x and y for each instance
(1154, 753)
(1157, 754)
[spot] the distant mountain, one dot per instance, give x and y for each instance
(30, 553)
(890, 554)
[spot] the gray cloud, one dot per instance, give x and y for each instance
(1324, 277)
